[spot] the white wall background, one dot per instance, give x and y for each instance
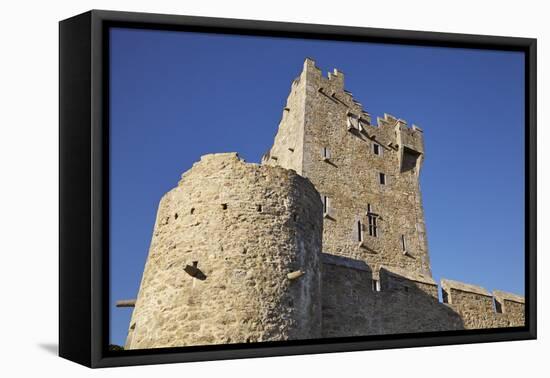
(29, 176)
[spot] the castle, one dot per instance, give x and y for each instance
(325, 238)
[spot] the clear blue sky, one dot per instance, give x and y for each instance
(176, 96)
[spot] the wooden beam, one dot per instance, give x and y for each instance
(126, 303)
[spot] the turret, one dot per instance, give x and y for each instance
(234, 258)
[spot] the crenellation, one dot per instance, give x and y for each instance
(330, 114)
(450, 287)
(511, 305)
(337, 79)
(392, 278)
(481, 309)
(325, 238)
(503, 296)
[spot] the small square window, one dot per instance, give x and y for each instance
(382, 178)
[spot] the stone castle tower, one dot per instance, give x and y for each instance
(367, 174)
(234, 258)
(326, 238)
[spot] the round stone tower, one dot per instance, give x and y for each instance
(234, 258)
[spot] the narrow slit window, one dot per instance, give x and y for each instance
(325, 204)
(382, 177)
(403, 243)
(375, 285)
(359, 233)
(326, 153)
(373, 222)
(376, 148)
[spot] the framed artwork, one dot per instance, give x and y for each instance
(223, 196)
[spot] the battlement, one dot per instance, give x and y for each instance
(503, 296)
(325, 238)
(333, 87)
(460, 293)
(508, 303)
(407, 139)
(455, 293)
(450, 287)
(393, 272)
(396, 132)
(336, 77)
(481, 309)
(393, 298)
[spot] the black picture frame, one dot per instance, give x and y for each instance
(84, 187)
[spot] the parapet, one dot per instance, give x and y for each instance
(502, 296)
(481, 309)
(218, 159)
(449, 287)
(332, 86)
(361, 301)
(345, 262)
(394, 278)
(337, 77)
(406, 274)
(334, 78)
(508, 303)
(388, 120)
(219, 156)
(409, 142)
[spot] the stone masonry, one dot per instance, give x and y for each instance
(379, 223)
(235, 258)
(325, 239)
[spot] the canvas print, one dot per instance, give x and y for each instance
(278, 189)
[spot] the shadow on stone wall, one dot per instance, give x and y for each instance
(353, 306)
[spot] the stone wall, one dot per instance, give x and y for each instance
(480, 309)
(354, 304)
(234, 258)
(343, 154)
(288, 148)
(236, 250)
(328, 118)
(357, 304)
